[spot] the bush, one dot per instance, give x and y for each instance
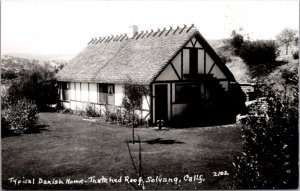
(260, 56)
(37, 85)
(67, 111)
(296, 54)
(19, 117)
(8, 74)
(90, 111)
(236, 42)
(270, 153)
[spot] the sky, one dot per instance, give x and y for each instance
(66, 26)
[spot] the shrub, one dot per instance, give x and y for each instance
(90, 111)
(106, 113)
(38, 85)
(19, 117)
(270, 152)
(67, 111)
(8, 74)
(296, 54)
(236, 42)
(113, 117)
(260, 56)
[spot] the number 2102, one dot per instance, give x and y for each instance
(221, 173)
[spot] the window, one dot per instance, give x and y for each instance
(110, 90)
(103, 93)
(187, 93)
(105, 90)
(65, 86)
(193, 61)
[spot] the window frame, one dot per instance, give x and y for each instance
(103, 92)
(65, 93)
(196, 98)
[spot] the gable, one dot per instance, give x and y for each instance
(194, 55)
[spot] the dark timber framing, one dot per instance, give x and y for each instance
(151, 103)
(171, 97)
(175, 71)
(181, 52)
(211, 68)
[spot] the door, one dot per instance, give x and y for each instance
(161, 102)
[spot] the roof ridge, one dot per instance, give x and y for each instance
(107, 39)
(141, 35)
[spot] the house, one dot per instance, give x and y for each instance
(188, 81)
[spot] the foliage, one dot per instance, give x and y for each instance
(260, 56)
(270, 153)
(224, 53)
(91, 112)
(38, 85)
(18, 116)
(133, 100)
(67, 111)
(286, 37)
(296, 41)
(296, 54)
(236, 41)
(123, 117)
(8, 74)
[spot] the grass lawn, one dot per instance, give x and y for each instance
(71, 147)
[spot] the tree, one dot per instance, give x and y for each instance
(286, 38)
(260, 56)
(37, 84)
(236, 41)
(133, 100)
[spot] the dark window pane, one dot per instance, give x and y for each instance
(194, 61)
(103, 93)
(187, 93)
(65, 91)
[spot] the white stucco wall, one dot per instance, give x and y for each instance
(167, 74)
(201, 61)
(216, 71)
(177, 63)
(72, 91)
(84, 92)
(186, 61)
(209, 62)
(77, 91)
(93, 93)
(119, 94)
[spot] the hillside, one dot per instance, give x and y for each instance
(18, 64)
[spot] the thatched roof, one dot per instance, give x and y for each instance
(121, 59)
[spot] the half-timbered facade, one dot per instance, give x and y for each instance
(188, 81)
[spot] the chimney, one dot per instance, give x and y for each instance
(133, 30)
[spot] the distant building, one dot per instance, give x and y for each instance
(188, 81)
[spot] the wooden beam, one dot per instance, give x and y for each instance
(88, 91)
(171, 97)
(211, 68)
(175, 71)
(181, 52)
(192, 47)
(151, 103)
(80, 90)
